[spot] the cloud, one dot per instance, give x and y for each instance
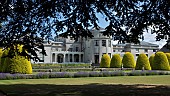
(148, 37)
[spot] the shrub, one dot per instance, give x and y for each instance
(142, 61)
(94, 74)
(81, 74)
(160, 62)
(1, 52)
(105, 61)
(151, 60)
(128, 60)
(17, 64)
(116, 61)
(168, 56)
(118, 73)
(61, 75)
(3, 59)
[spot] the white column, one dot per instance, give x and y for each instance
(55, 60)
(51, 58)
(79, 57)
(68, 57)
(100, 51)
(107, 46)
(64, 59)
(72, 57)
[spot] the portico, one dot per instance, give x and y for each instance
(65, 56)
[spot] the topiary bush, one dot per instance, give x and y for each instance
(151, 60)
(116, 61)
(17, 64)
(168, 56)
(128, 60)
(160, 62)
(105, 61)
(1, 52)
(3, 59)
(142, 62)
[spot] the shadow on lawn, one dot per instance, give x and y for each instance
(84, 90)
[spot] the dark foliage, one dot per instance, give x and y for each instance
(29, 22)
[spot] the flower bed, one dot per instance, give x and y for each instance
(41, 75)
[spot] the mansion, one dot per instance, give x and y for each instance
(90, 50)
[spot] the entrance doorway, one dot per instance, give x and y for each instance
(60, 58)
(96, 59)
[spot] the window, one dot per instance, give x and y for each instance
(109, 43)
(53, 49)
(137, 50)
(146, 50)
(100, 35)
(154, 50)
(96, 59)
(104, 43)
(96, 42)
(77, 49)
(71, 49)
(59, 49)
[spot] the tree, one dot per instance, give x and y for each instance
(160, 61)
(151, 60)
(17, 64)
(142, 62)
(28, 22)
(105, 61)
(116, 61)
(128, 60)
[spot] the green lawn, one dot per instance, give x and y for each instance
(108, 86)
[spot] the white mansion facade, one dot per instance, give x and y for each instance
(90, 50)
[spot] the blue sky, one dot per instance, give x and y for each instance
(148, 37)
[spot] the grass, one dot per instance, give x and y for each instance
(107, 86)
(163, 79)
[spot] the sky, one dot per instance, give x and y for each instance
(148, 37)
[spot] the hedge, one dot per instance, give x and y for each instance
(168, 56)
(128, 60)
(160, 61)
(17, 64)
(105, 61)
(142, 62)
(151, 60)
(116, 61)
(1, 52)
(3, 64)
(43, 75)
